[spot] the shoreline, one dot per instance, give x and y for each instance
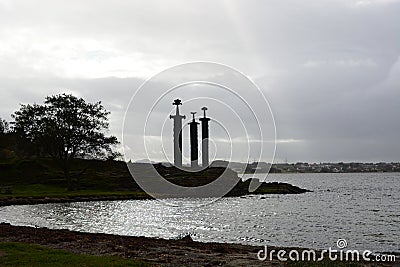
(237, 191)
(160, 252)
(67, 199)
(18, 201)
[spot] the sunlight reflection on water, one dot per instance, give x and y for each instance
(361, 208)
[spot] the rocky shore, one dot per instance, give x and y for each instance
(159, 252)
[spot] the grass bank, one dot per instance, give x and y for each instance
(20, 254)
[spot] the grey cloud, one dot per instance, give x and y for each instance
(329, 69)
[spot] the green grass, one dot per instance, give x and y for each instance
(38, 178)
(19, 254)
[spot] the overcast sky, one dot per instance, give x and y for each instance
(330, 69)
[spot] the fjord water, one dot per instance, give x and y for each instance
(362, 208)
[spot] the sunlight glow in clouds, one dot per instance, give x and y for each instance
(330, 69)
(72, 57)
(351, 63)
(375, 2)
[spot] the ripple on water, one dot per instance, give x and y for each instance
(356, 208)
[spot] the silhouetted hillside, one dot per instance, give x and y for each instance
(41, 178)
